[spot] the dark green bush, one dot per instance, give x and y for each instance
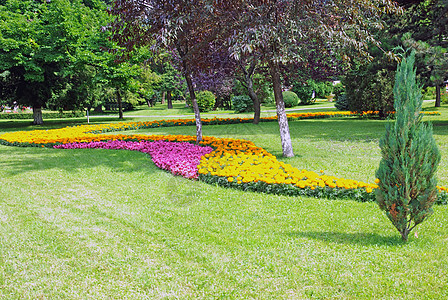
(341, 102)
(370, 91)
(322, 89)
(290, 98)
(206, 101)
(305, 93)
(338, 90)
(242, 103)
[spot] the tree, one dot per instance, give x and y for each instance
(50, 52)
(247, 66)
(121, 77)
(433, 63)
(280, 32)
(407, 183)
(181, 26)
(35, 41)
(424, 27)
(369, 87)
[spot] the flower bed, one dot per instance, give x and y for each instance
(178, 158)
(226, 162)
(88, 133)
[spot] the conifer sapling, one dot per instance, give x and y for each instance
(407, 184)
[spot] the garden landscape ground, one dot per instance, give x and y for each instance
(93, 224)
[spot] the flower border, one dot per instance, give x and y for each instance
(233, 163)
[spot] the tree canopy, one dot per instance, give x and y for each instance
(47, 50)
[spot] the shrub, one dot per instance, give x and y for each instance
(342, 103)
(407, 185)
(322, 88)
(206, 100)
(444, 96)
(55, 115)
(367, 90)
(242, 103)
(290, 98)
(270, 99)
(338, 90)
(429, 93)
(304, 92)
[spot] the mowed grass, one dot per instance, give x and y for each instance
(99, 224)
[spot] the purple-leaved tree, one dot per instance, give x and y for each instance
(182, 26)
(279, 33)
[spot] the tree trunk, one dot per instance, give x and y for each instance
(437, 96)
(254, 97)
(37, 115)
(248, 73)
(98, 109)
(187, 73)
(169, 100)
(197, 115)
(163, 97)
(120, 105)
(281, 112)
(404, 234)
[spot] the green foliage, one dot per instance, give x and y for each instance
(305, 93)
(342, 103)
(262, 88)
(340, 97)
(360, 194)
(444, 96)
(270, 99)
(369, 90)
(310, 90)
(429, 93)
(242, 103)
(53, 56)
(407, 188)
(206, 100)
(323, 88)
(338, 90)
(26, 116)
(290, 98)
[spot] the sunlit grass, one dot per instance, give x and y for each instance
(99, 224)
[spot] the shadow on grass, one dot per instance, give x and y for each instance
(364, 239)
(16, 160)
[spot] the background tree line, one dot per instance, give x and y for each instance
(85, 54)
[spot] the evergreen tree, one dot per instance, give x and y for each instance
(407, 184)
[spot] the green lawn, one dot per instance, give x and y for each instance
(99, 224)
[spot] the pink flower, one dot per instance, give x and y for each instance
(179, 158)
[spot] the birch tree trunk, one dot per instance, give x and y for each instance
(281, 111)
(197, 115)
